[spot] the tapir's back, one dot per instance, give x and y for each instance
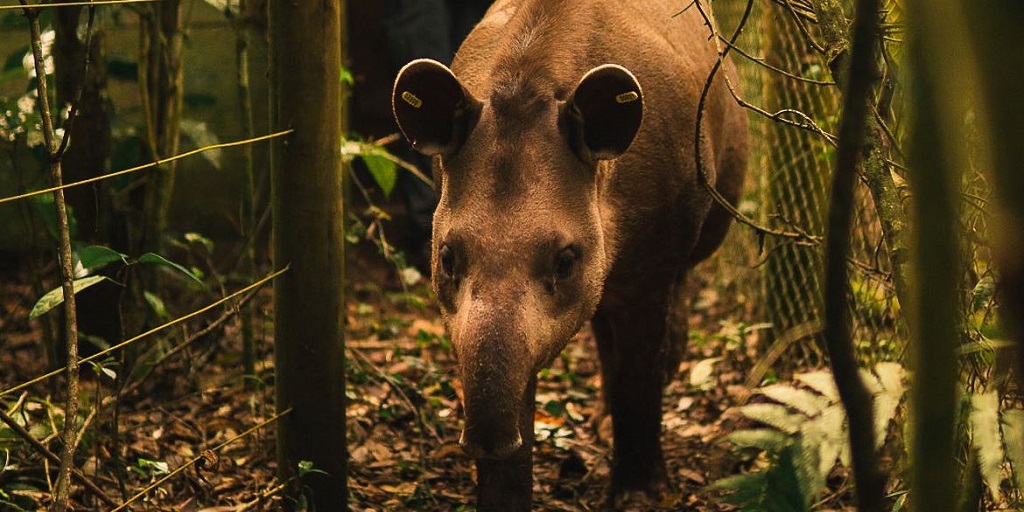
(654, 197)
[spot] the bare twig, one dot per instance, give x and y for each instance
(702, 171)
(52, 457)
(43, 5)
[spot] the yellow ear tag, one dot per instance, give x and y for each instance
(411, 99)
(627, 97)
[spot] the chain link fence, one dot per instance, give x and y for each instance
(787, 188)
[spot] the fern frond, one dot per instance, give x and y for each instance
(773, 415)
(822, 382)
(986, 438)
(802, 400)
(1013, 438)
(771, 441)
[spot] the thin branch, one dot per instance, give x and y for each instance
(156, 163)
(68, 434)
(762, 62)
(856, 398)
(154, 330)
(702, 172)
(202, 456)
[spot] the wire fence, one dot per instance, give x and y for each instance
(782, 71)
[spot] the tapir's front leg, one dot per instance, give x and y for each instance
(506, 485)
(631, 340)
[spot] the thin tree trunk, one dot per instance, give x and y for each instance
(69, 433)
(248, 210)
(308, 232)
(852, 132)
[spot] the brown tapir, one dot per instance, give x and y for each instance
(563, 143)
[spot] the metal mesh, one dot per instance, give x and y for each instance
(788, 182)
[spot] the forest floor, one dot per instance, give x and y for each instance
(403, 412)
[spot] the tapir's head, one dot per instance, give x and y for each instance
(519, 252)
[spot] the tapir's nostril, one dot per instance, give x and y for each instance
(490, 448)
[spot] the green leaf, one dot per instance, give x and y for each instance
(987, 439)
(799, 399)
(773, 415)
(771, 441)
(55, 297)
(95, 257)
(1013, 421)
(154, 258)
(383, 170)
(346, 76)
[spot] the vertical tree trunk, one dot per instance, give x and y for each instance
(940, 91)
(995, 29)
(309, 306)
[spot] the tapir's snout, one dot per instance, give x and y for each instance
(481, 442)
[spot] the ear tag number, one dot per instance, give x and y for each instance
(415, 102)
(627, 97)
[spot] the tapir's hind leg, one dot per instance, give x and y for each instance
(631, 340)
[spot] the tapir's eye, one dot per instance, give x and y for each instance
(447, 259)
(565, 262)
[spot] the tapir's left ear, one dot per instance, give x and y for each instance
(605, 112)
(432, 108)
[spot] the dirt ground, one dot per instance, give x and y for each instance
(404, 416)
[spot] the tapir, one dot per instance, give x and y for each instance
(564, 152)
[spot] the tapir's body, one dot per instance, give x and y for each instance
(559, 205)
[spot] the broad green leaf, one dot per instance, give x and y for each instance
(773, 415)
(799, 399)
(95, 257)
(1013, 424)
(782, 493)
(987, 439)
(384, 171)
(151, 257)
(822, 382)
(55, 297)
(771, 441)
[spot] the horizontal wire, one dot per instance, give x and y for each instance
(221, 145)
(129, 341)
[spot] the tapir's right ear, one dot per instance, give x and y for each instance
(432, 108)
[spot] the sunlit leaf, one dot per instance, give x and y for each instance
(799, 399)
(55, 297)
(384, 171)
(822, 382)
(771, 441)
(773, 415)
(1013, 423)
(987, 439)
